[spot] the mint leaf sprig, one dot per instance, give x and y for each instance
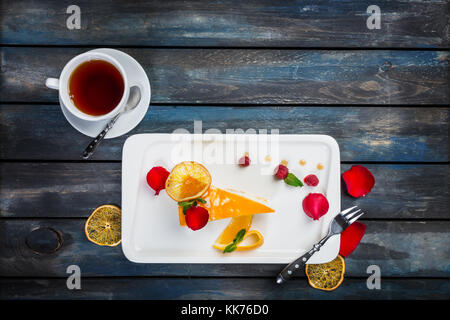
(186, 205)
(232, 246)
(292, 180)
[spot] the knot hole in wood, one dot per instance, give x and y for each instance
(44, 240)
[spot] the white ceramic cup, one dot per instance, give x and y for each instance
(62, 84)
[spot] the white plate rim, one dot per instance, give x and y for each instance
(328, 252)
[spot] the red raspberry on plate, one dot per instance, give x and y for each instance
(244, 161)
(311, 180)
(281, 172)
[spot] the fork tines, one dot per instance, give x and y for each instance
(351, 214)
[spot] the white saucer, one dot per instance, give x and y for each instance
(127, 121)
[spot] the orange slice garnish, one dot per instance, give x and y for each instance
(252, 239)
(188, 180)
(255, 238)
(326, 276)
(103, 227)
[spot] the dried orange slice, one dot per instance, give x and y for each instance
(104, 226)
(326, 276)
(188, 180)
(255, 238)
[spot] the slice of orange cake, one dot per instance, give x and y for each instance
(222, 204)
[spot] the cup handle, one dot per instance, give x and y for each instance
(52, 83)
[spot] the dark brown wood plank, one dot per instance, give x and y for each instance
(399, 248)
(263, 23)
(40, 132)
(73, 190)
(203, 288)
(192, 76)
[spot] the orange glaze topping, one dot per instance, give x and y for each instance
(223, 204)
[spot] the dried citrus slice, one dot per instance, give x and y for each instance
(326, 276)
(104, 226)
(237, 224)
(188, 180)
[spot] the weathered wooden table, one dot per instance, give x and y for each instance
(303, 67)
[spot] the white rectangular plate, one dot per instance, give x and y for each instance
(150, 229)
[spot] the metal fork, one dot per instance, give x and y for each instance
(339, 224)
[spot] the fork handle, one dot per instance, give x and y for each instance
(289, 270)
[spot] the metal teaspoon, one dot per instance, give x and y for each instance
(133, 101)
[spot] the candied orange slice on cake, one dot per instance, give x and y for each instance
(233, 227)
(222, 204)
(188, 180)
(239, 228)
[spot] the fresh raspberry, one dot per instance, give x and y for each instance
(156, 178)
(311, 180)
(281, 172)
(196, 217)
(244, 161)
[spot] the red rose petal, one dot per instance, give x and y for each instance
(315, 205)
(156, 178)
(351, 237)
(359, 181)
(196, 217)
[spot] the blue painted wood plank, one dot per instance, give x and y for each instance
(236, 76)
(263, 23)
(40, 132)
(73, 190)
(217, 289)
(399, 248)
